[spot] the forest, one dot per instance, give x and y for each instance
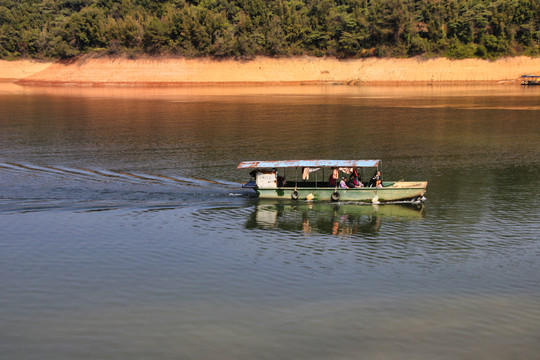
(457, 29)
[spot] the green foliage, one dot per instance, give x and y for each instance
(459, 50)
(247, 28)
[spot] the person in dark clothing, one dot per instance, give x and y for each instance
(376, 180)
(352, 183)
(358, 174)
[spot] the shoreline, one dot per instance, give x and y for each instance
(251, 83)
(263, 71)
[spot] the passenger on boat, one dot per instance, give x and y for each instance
(376, 180)
(352, 183)
(358, 175)
(332, 180)
(343, 184)
(281, 181)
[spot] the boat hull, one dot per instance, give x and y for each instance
(399, 191)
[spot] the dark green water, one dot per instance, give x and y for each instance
(125, 233)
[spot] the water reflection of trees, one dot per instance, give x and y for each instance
(328, 218)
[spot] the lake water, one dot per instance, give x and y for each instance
(125, 233)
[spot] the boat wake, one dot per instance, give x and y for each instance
(30, 187)
(101, 175)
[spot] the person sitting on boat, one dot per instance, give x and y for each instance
(343, 184)
(352, 183)
(331, 181)
(281, 181)
(358, 175)
(334, 176)
(376, 180)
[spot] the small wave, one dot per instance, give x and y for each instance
(96, 174)
(31, 188)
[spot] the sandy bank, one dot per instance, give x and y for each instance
(19, 69)
(299, 70)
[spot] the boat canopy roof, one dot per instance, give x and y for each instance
(530, 76)
(308, 163)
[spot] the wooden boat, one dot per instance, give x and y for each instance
(530, 80)
(269, 180)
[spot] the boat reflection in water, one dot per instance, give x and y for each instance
(329, 218)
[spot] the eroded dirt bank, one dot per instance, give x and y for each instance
(298, 70)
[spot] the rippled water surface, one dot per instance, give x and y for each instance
(125, 233)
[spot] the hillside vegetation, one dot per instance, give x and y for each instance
(247, 28)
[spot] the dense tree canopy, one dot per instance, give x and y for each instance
(246, 28)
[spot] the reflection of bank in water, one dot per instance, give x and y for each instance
(329, 218)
